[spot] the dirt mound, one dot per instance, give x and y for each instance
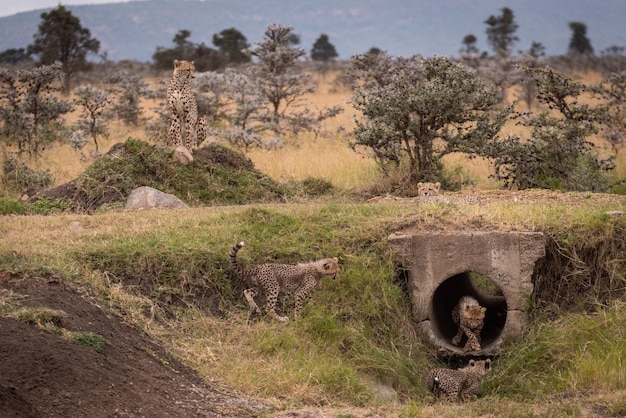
(46, 375)
(218, 176)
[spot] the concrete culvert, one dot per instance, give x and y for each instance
(444, 266)
(445, 298)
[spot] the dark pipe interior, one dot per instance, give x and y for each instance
(447, 296)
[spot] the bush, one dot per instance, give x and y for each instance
(19, 177)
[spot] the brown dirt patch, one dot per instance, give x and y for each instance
(43, 375)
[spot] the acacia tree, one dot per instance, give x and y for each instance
(469, 45)
(558, 153)
(420, 109)
(579, 44)
(232, 45)
(127, 88)
(93, 103)
(612, 91)
(204, 57)
(323, 50)
(501, 32)
(30, 109)
(279, 81)
(62, 38)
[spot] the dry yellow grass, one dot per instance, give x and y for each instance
(327, 155)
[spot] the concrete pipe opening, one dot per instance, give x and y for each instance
(447, 295)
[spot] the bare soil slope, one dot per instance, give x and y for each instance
(43, 375)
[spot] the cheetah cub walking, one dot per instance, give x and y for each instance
(469, 316)
(458, 384)
(271, 279)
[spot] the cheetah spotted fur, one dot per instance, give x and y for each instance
(458, 384)
(186, 128)
(271, 279)
(469, 316)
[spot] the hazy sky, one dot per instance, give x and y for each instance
(10, 7)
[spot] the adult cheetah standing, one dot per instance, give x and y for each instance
(186, 129)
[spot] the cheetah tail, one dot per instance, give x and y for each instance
(233, 257)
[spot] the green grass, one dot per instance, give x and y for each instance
(575, 352)
(51, 320)
(168, 272)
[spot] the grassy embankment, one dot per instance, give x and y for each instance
(168, 271)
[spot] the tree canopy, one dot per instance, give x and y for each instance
(501, 32)
(232, 45)
(204, 57)
(419, 109)
(323, 50)
(579, 44)
(62, 38)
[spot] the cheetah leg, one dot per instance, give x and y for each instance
(270, 306)
(201, 131)
(457, 338)
(191, 136)
(250, 294)
(472, 342)
(300, 299)
(174, 135)
(452, 396)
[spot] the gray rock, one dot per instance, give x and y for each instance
(182, 155)
(145, 197)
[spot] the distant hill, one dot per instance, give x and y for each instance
(134, 29)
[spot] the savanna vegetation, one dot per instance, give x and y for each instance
(295, 152)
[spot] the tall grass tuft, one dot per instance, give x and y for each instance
(575, 352)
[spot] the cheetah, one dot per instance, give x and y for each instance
(458, 384)
(272, 278)
(426, 190)
(431, 193)
(186, 129)
(469, 316)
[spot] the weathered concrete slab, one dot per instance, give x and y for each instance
(439, 267)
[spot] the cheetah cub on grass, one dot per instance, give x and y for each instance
(271, 279)
(458, 384)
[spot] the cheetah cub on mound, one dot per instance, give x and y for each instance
(458, 384)
(272, 278)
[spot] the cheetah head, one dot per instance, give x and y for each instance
(474, 315)
(184, 68)
(330, 267)
(428, 189)
(480, 367)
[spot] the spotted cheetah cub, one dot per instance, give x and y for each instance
(469, 316)
(272, 278)
(431, 193)
(426, 190)
(458, 384)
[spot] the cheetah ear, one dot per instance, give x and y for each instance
(336, 259)
(192, 63)
(175, 63)
(488, 364)
(483, 309)
(419, 184)
(437, 186)
(471, 362)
